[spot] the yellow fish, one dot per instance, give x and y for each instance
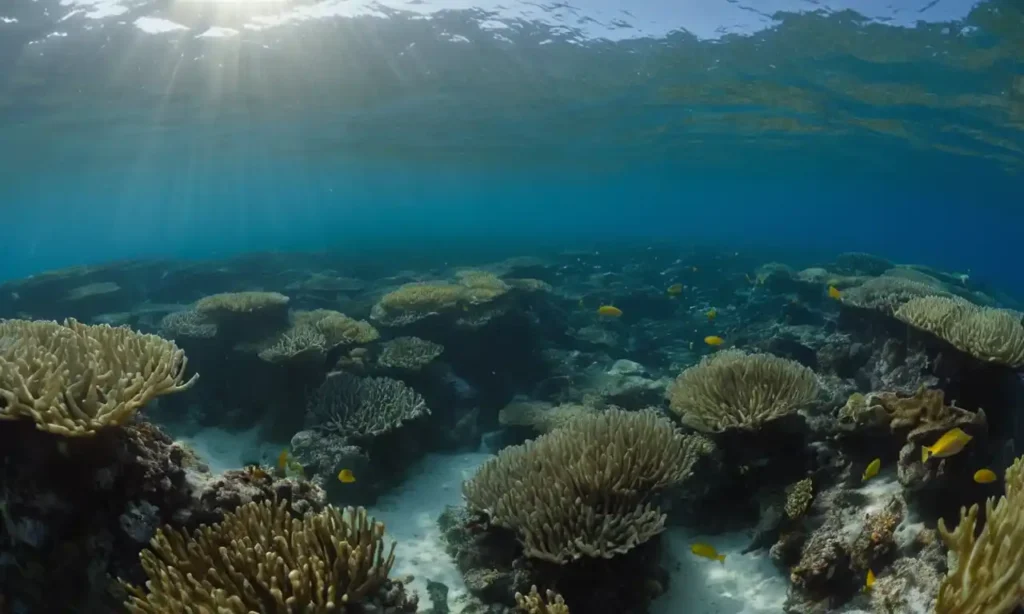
(712, 313)
(869, 581)
(609, 310)
(871, 470)
(345, 476)
(949, 444)
(985, 476)
(713, 340)
(707, 551)
(834, 292)
(282, 460)
(675, 290)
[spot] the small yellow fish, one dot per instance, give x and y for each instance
(675, 290)
(282, 460)
(345, 476)
(949, 444)
(871, 470)
(711, 313)
(869, 581)
(609, 310)
(707, 551)
(834, 292)
(713, 340)
(985, 476)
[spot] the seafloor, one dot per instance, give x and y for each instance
(656, 430)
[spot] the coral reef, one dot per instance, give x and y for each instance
(73, 379)
(261, 558)
(585, 490)
(359, 407)
(986, 570)
(733, 389)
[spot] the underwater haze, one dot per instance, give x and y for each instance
(203, 128)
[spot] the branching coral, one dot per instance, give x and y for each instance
(261, 559)
(411, 353)
(733, 389)
(74, 379)
(315, 333)
(588, 489)
(187, 323)
(991, 335)
(535, 604)
(887, 293)
(542, 417)
(363, 406)
(415, 301)
(241, 302)
(986, 573)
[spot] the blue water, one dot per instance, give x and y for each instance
(201, 129)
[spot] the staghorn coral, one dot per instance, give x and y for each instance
(733, 389)
(354, 406)
(988, 334)
(986, 571)
(533, 603)
(73, 379)
(410, 353)
(261, 559)
(587, 489)
(187, 323)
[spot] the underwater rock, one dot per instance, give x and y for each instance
(217, 494)
(325, 454)
(860, 263)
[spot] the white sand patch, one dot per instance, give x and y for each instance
(410, 513)
(223, 450)
(744, 584)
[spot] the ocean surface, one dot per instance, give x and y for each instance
(204, 128)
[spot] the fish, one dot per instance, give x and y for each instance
(711, 313)
(834, 292)
(256, 472)
(871, 470)
(985, 476)
(345, 476)
(675, 290)
(713, 340)
(869, 581)
(694, 269)
(707, 551)
(609, 310)
(282, 460)
(951, 442)
(691, 345)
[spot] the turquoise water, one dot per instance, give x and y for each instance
(203, 129)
